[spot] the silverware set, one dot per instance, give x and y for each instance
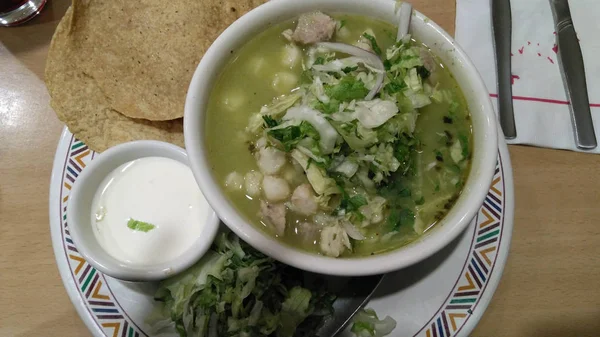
(571, 65)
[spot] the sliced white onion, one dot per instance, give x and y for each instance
(316, 119)
(372, 60)
(352, 231)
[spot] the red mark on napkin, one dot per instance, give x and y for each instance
(539, 54)
(521, 50)
(513, 78)
(528, 43)
(555, 49)
(550, 59)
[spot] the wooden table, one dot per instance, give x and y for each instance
(550, 285)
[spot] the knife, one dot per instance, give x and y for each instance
(356, 293)
(570, 61)
(502, 28)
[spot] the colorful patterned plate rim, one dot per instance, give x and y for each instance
(444, 296)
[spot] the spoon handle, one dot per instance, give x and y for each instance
(404, 15)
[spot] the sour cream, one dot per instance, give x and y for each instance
(161, 193)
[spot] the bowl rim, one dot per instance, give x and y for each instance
(108, 161)
(194, 122)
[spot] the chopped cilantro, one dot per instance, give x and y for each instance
(140, 226)
(306, 76)
(291, 135)
(351, 204)
(464, 142)
(405, 192)
(347, 89)
(387, 64)
(320, 60)
(423, 72)
(402, 217)
(373, 42)
(269, 121)
(342, 24)
(395, 85)
(404, 147)
(349, 69)
(327, 108)
(454, 168)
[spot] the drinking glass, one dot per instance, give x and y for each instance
(14, 12)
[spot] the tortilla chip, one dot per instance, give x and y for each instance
(142, 54)
(81, 105)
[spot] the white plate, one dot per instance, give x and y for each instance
(443, 296)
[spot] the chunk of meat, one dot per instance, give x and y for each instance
(252, 182)
(334, 240)
(275, 189)
(304, 201)
(274, 216)
(314, 27)
(270, 160)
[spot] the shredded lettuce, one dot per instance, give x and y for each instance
(235, 290)
(317, 177)
(367, 324)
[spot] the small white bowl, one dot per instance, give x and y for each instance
(485, 141)
(80, 207)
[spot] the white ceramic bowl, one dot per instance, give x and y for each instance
(80, 207)
(484, 135)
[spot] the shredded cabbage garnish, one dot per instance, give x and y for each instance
(235, 290)
(367, 324)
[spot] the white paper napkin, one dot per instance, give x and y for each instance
(541, 109)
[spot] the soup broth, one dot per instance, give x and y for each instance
(291, 134)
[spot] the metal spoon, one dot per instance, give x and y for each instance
(353, 297)
(404, 14)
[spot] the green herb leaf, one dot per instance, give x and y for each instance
(394, 86)
(140, 226)
(373, 42)
(291, 135)
(402, 217)
(349, 69)
(387, 64)
(347, 89)
(319, 60)
(269, 121)
(464, 142)
(423, 72)
(327, 108)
